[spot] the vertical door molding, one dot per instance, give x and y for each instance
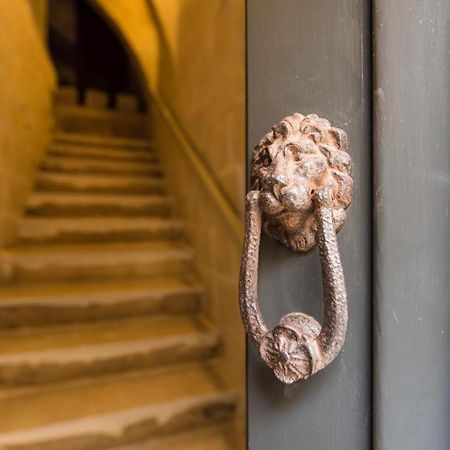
(412, 231)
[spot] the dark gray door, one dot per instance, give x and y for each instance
(385, 83)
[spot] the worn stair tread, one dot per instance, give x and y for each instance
(108, 406)
(93, 250)
(77, 164)
(31, 356)
(63, 229)
(87, 261)
(101, 140)
(105, 153)
(33, 304)
(205, 438)
(48, 181)
(98, 100)
(95, 359)
(93, 291)
(102, 122)
(20, 343)
(70, 204)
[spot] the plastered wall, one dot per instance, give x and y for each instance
(27, 80)
(201, 79)
(203, 82)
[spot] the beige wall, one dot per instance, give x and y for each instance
(201, 79)
(203, 83)
(27, 80)
(191, 55)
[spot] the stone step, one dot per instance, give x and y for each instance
(102, 141)
(71, 204)
(70, 164)
(38, 355)
(215, 437)
(97, 229)
(105, 153)
(38, 304)
(110, 184)
(100, 121)
(67, 96)
(104, 412)
(88, 261)
(127, 103)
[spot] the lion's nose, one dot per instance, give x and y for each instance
(295, 198)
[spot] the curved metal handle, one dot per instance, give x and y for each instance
(298, 347)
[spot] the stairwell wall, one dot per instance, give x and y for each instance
(27, 79)
(202, 82)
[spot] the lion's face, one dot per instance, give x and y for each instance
(299, 155)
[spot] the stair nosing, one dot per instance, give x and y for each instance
(55, 250)
(103, 177)
(63, 219)
(85, 299)
(162, 413)
(101, 140)
(97, 196)
(99, 152)
(87, 160)
(44, 229)
(105, 351)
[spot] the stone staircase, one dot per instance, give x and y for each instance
(102, 340)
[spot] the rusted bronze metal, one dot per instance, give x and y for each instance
(302, 185)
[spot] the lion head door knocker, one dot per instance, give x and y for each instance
(301, 187)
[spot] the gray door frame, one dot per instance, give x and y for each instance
(412, 219)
